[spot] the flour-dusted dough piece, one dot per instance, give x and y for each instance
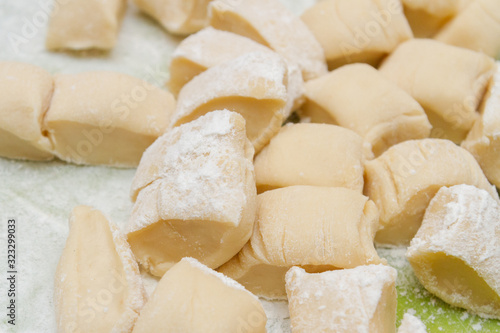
(85, 24)
(477, 28)
(456, 252)
(318, 228)
(201, 202)
(311, 154)
(254, 85)
(192, 298)
(357, 30)
(361, 299)
(106, 118)
(98, 287)
(404, 179)
(270, 23)
(358, 97)
(25, 93)
(449, 82)
(411, 324)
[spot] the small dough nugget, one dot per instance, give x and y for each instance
(25, 93)
(456, 252)
(85, 24)
(180, 17)
(192, 298)
(404, 179)
(200, 201)
(98, 287)
(411, 324)
(270, 23)
(318, 228)
(311, 154)
(361, 299)
(254, 85)
(106, 118)
(449, 82)
(358, 97)
(357, 30)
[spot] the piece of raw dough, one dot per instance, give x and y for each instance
(270, 23)
(85, 24)
(411, 324)
(358, 97)
(106, 118)
(25, 93)
(180, 17)
(318, 228)
(404, 179)
(311, 154)
(254, 85)
(449, 82)
(357, 30)
(192, 298)
(197, 194)
(477, 28)
(361, 299)
(456, 252)
(98, 287)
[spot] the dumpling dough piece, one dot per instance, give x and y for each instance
(477, 28)
(357, 30)
(85, 24)
(106, 118)
(361, 299)
(311, 154)
(404, 179)
(201, 202)
(193, 298)
(449, 82)
(411, 324)
(483, 140)
(98, 287)
(254, 85)
(25, 93)
(180, 17)
(455, 253)
(270, 23)
(318, 228)
(358, 97)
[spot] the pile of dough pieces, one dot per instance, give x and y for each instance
(400, 155)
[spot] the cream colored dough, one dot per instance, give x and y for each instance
(455, 254)
(357, 30)
(98, 287)
(25, 93)
(358, 97)
(192, 298)
(106, 118)
(361, 299)
(404, 179)
(318, 228)
(449, 82)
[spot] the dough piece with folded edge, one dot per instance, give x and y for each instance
(270, 23)
(197, 194)
(455, 253)
(361, 299)
(449, 82)
(25, 93)
(317, 228)
(404, 179)
(192, 298)
(98, 287)
(311, 154)
(106, 118)
(411, 324)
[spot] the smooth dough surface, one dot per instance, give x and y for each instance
(361, 299)
(455, 254)
(318, 228)
(192, 298)
(404, 179)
